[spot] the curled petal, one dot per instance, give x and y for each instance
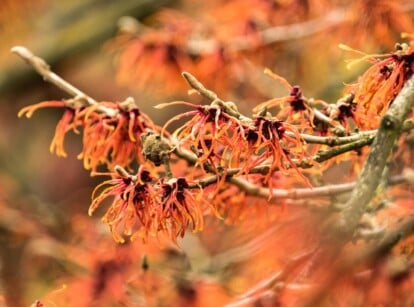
(29, 110)
(64, 125)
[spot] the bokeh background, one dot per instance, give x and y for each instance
(46, 237)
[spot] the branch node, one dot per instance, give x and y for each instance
(389, 122)
(155, 148)
(199, 87)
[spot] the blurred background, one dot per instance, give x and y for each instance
(46, 236)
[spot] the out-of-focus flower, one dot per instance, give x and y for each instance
(164, 49)
(376, 22)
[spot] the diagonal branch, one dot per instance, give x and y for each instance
(349, 142)
(369, 179)
(43, 69)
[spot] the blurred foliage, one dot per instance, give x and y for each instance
(39, 194)
(52, 251)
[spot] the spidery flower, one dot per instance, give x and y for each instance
(111, 131)
(268, 141)
(67, 123)
(144, 207)
(378, 21)
(377, 87)
(164, 47)
(294, 107)
(207, 132)
(113, 140)
(178, 209)
(133, 199)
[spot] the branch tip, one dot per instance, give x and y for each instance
(21, 51)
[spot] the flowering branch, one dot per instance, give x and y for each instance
(351, 142)
(44, 70)
(266, 145)
(231, 109)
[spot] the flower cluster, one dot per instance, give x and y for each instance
(221, 146)
(377, 87)
(144, 206)
(222, 138)
(199, 42)
(206, 133)
(111, 131)
(213, 40)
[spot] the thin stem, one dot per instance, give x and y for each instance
(272, 35)
(48, 75)
(43, 69)
(264, 168)
(325, 119)
(231, 109)
(275, 195)
(199, 87)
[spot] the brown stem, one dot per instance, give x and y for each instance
(273, 34)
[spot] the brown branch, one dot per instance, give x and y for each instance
(231, 109)
(272, 35)
(359, 140)
(43, 69)
(274, 195)
(389, 131)
(265, 168)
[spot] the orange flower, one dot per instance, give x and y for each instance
(130, 211)
(377, 22)
(164, 48)
(269, 142)
(112, 140)
(178, 209)
(377, 87)
(345, 108)
(207, 130)
(65, 124)
(143, 208)
(111, 131)
(298, 110)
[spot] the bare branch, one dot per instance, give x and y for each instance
(272, 35)
(43, 69)
(48, 75)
